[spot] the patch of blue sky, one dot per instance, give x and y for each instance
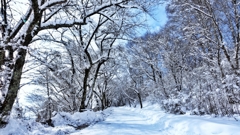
(153, 20)
(157, 18)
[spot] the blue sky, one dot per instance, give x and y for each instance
(155, 20)
(159, 18)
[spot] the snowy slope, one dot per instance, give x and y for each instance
(152, 121)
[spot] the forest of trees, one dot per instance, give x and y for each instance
(192, 64)
(84, 55)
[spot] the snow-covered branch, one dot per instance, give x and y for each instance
(61, 24)
(51, 3)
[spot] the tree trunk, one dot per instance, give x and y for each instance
(12, 72)
(11, 95)
(1, 56)
(104, 104)
(140, 99)
(84, 94)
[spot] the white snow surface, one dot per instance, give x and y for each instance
(77, 119)
(64, 123)
(150, 120)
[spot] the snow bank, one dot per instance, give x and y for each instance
(64, 123)
(78, 119)
(24, 127)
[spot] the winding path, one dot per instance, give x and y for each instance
(153, 121)
(123, 121)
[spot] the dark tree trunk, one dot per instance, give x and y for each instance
(13, 87)
(84, 94)
(13, 73)
(1, 56)
(104, 104)
(140, 99)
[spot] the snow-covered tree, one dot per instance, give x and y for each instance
(193, 61)
(19, 28)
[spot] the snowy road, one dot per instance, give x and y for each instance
(123, 121)
(152, 121)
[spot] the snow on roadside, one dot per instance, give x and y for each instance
(64, 123)
(78, 119)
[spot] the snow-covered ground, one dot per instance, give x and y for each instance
(64, 123)
(150, 120)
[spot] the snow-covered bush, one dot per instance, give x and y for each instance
(64, 123)
(177, 104)
(173, 106)
(231, 84)
(78, 119)
(22, 127)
